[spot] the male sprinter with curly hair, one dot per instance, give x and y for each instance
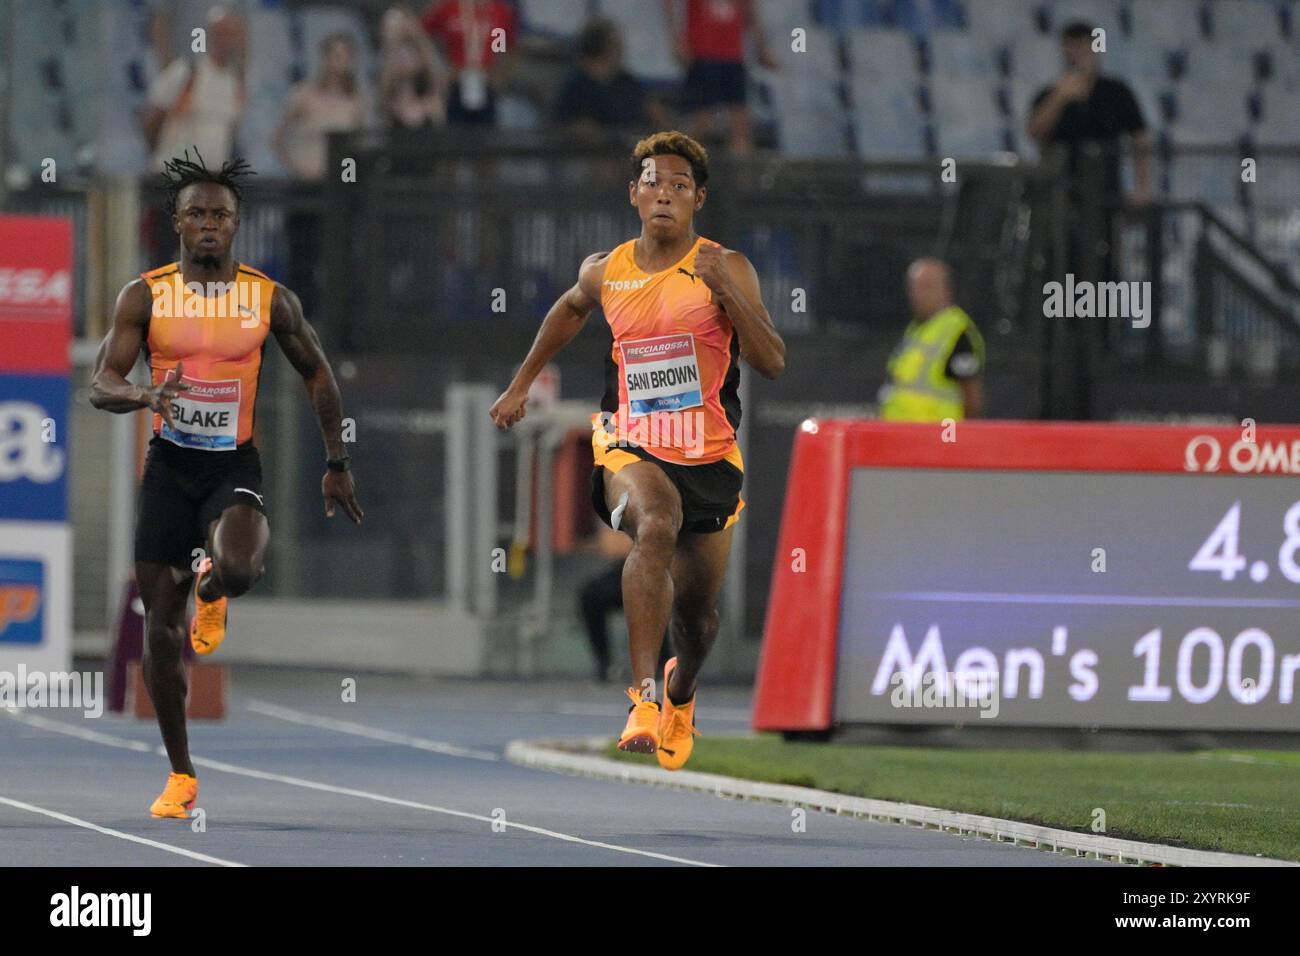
(203, 323)
(683, 312)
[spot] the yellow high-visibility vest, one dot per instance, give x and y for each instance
(919, 389)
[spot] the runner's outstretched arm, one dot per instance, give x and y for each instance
(564, 320)
(301, 346)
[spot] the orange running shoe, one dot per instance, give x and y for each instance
(641, 735)
(677, 731)
(177, 798)
(208, 626)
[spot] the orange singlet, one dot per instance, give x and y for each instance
(219, 338)
(673, 374)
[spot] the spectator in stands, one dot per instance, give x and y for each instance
(410, 76)
(599, 94)
(198, 103)
(329, 103)
(710, 43)
(1083, 106)
(477, 37)
(937, 370)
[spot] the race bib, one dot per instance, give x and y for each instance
(206, 416)
(661, 374)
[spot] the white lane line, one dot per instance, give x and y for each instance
(130, 837)
(72, 730)
(361, 730)
(111, 741)
(416, 805)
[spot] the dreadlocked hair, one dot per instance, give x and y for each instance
(182, 171)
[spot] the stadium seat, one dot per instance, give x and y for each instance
(121, 89)
(1286, 65)
(888, 124)
(1212, 98)
(839, 16)
(811, 118)
(947, 15)
(884, 80)
(39, 73)
(882, 56)
(1100, 13)
(647, 46)
(967, 120)
(1279, 108)
(807, 100)
(271, 63)
(779, 17)
(1036, 60)
(1002, 20)
(1242, 25)
(954, 53)
(1166, 24)
(919, 17)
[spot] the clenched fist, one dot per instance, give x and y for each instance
(709, 267)
(509, 408)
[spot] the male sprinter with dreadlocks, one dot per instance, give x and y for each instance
(203, 322)
(683, 311)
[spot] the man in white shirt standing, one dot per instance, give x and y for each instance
(199, 102)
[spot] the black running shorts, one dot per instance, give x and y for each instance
(710, 493)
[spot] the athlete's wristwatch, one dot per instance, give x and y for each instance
(340, 464)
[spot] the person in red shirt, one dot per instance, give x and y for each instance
(710, 43)
(475, 35)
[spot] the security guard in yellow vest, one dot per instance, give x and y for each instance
(936, 372)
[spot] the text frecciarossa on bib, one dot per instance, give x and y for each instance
(661, 374)
(206, 415)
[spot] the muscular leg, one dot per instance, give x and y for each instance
(237, 545)
(164, 591)
(653, 517)
(699, 565)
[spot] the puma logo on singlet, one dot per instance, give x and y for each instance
(685, 273)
